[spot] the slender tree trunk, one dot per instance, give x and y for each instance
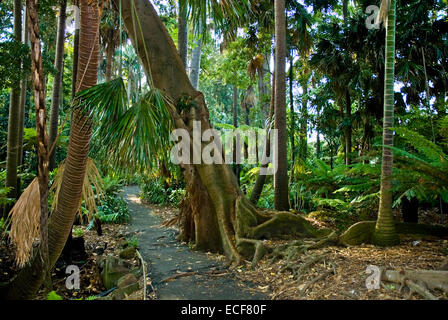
(41, 132)
(318, 144)
(182, 35)
(110, 50)
(195, 68)
(236, 151)
(304, 126)
(345, 10)
(28, 281)
(348, 130)
(23, 96)
(281, 193)
(57, 82)
(13, 119)
(261, 179)
(385, 232)
(75, 56)
(263, 90)
(293, 120)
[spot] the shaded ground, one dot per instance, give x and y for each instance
(167, 258)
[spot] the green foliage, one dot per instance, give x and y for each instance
(78, 232)
(132, 242)
(157, 191)
(52, 295)
(113, 209)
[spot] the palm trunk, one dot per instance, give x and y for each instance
(110, 50)
(281, 193)
(13, 119)
(261, 179)
(348, 130)
(195, 68)
(263, 90)
(293, 120)
(30, 278)
(182, 35)
(236, 153)
(41, 132)
(385, 232)
(23, 91)
(57, 82)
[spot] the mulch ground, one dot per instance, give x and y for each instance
(345, 266)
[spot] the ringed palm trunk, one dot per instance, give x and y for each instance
(281, 199)
(385, 233)
(30, 278)
(13, 119)
(57, 82)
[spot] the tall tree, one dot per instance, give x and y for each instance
(182, 35)
(195, 67)
(385, 233)
(60, 223)
(57, 82)
(281, 198)
(23, 96)
(37, 72)
(13, 119)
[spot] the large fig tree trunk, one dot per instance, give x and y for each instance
(218, 215)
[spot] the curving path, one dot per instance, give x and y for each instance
(166, 257)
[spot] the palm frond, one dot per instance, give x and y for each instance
(25, 222)
(133, 136)
(384, 11)
(92, 188)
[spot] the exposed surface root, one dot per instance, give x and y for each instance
(362, 232)
(420, 281)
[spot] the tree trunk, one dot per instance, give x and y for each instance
(182, 35)
(293, 120)
(281, 193)
(385, 232)
(263, 90)
(75, 57)
(13, 119)
(195, 68)
(227, 217)
(23, 92)
(261, 179)
(110, 51)
(304, 126)
(236, 151)
(37, 72)
(30, 278)
(57, 82)
(348, 130)
(318, 144)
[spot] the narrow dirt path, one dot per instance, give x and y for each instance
(166, 258)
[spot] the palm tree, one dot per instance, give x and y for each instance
(385, 233)
(182, 35)
(281, 199)
(60, 224)
(13, 120)
(57, 82)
